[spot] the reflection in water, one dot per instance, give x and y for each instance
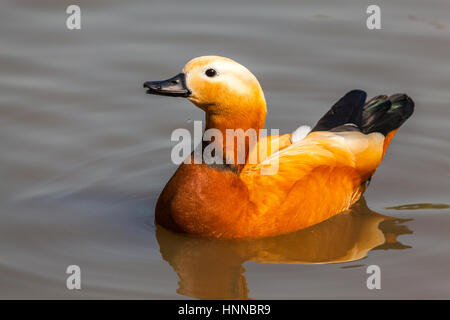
(421, 206)
(212, 268)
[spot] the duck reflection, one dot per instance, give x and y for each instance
(212, 268)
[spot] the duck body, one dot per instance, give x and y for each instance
(317, 176)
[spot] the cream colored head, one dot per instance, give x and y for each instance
(221, 83)
(227, 91)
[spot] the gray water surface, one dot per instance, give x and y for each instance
(84, 152)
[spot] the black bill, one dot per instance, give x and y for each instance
(173, 87)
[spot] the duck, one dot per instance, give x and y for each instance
(320, 171)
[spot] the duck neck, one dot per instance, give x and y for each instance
(239, 132)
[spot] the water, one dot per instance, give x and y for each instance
(85, 152)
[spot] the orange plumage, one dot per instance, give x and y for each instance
(314, 177)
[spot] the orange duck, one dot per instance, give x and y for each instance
(319, 173)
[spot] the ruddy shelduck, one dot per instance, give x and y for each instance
(319, 174)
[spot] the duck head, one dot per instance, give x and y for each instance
(228, 92)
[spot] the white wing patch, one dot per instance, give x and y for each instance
(300, 133)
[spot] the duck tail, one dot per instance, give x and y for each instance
(344, 114)
(381, 114)
(385, 115)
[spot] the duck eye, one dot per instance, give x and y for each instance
(210, 72)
